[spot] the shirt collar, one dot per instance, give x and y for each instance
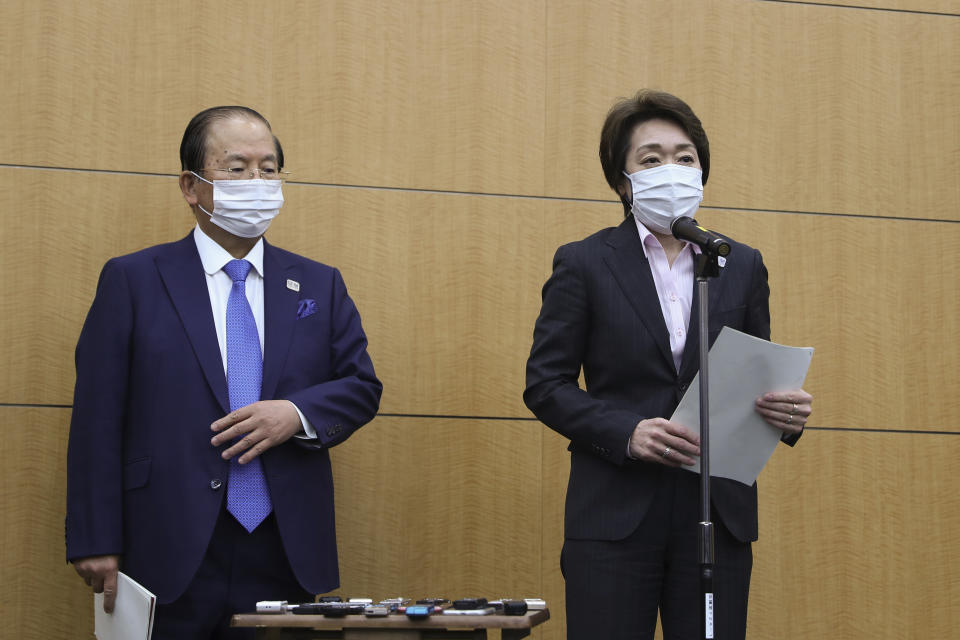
(648, 240)
(214, 257)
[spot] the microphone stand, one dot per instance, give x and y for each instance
(706, 265)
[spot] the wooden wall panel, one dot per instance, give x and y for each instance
(848, 111)
(945, 7)
(556, 471)
(440, 506)
(806, 106)
(402, 524)
(424, 506)
(447, 285)
(875, 299)
(857, 538)
(33, 486)
(66, 226)
(427, 94)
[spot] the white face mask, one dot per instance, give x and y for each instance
(245, 208)
(665, 193)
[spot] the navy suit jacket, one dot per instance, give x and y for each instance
(601, 312)
(143, 479)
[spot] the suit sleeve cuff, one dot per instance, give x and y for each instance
(791, 438)
(309, 433)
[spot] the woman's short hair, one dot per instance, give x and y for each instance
(627, 113)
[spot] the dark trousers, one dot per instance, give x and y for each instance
(614, 589)
(238, 570)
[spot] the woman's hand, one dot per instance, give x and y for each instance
(786, 410)
(660, 441)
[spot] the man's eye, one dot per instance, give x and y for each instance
(234, 170)
(268, 171)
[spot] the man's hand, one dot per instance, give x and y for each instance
(100, 572)
(258, 426)
(663, 442)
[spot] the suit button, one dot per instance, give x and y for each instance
(216, 484)
(334, 430)
(683, 388)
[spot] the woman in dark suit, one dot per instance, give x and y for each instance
(621, 305)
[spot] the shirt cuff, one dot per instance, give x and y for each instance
(309, 433)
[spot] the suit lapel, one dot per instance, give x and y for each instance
(632, 272)
(185, 282)
(279, 317)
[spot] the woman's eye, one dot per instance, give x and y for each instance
(650, 160)
(687, 159)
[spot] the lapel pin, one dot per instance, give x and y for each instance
(293, 285)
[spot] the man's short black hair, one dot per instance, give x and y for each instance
(193, 147)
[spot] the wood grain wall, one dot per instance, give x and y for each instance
(443, 149)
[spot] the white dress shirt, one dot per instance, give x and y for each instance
(674, 287)
(219, 284)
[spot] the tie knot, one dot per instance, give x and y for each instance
(237, 270)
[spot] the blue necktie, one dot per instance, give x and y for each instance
(247, 496)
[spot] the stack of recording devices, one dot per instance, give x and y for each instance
(335, 607)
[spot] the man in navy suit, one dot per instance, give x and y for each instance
(198, 459)
(621, 306)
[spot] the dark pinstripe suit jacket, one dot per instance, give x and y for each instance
(601, 311)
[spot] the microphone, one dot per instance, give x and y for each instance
(688, 229)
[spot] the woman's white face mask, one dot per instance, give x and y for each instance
(665, 193)
(244, 208)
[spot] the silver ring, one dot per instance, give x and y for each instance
(666, 452)
(789, 420)
(794, 410)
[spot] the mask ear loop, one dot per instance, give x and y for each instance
(626, 199)
(200, 206)
(200, 177)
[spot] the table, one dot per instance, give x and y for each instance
(289, 626)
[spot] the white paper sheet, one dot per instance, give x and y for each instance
(132, 617)
(742, 368)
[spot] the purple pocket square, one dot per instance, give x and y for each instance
(307, 307)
